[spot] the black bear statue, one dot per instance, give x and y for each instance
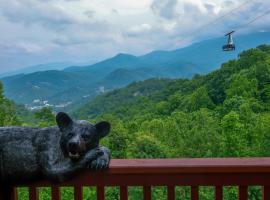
(54, 153)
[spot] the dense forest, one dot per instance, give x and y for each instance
(225, 113)
(222, 114)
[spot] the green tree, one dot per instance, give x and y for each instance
(233, 135)
(146, 146)
(265, 95)
(198, 135)
(1, 93)
(241, 85)
(262, 72)
(118, 138)
(199, 99)
(45, 117)
(8, 114)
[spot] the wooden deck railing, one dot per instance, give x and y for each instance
(217, 172)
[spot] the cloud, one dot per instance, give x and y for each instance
(165, 8)
(193, 20)
(37, 31)
(138, 30)
(32, 12)
(90, 13)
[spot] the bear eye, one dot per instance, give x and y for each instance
(86, 136)
(70, 134)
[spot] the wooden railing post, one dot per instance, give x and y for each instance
(218, 193)
(33, 193)
(123, 193)
(147, 194)
(243, 193)
(100, 193)
(14, 194)
(266, 192)
(194, 193)
(171, 192)
(78, 192)
(56, 193)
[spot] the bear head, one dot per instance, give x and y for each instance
(78, 137)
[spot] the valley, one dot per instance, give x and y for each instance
(71, 87)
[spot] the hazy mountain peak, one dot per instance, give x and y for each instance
(124, 55)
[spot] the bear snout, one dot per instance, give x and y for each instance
(76, 147)
(73, 146)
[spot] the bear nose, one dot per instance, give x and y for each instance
(72, 145)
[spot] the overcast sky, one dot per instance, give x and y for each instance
(46, 31)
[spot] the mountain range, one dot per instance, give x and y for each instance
(36, 68)
(71, 86)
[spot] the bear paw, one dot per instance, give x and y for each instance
(100, 163)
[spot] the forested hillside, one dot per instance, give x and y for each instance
(224, 113)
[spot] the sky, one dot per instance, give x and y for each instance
(47, 31)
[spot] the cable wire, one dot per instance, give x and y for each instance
(253, 20)
(225, 15)
(217, 19)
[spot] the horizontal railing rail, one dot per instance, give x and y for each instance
(217, 172)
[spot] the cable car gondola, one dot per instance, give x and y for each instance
(230, 46)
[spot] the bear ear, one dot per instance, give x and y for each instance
(63, 120)
(103, 128)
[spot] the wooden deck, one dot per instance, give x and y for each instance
(217, 172)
